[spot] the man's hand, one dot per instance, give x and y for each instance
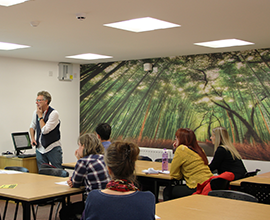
(33, 142)
(39, 112)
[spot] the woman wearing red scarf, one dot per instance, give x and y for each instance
(121, 199)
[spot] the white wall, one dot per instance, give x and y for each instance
(20, 80)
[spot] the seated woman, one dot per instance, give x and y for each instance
(121, 199)
(189, 163)
(90, 171)
(226, 157)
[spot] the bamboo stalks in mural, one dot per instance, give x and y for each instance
(199, 92)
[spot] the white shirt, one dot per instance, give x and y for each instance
(52, 122)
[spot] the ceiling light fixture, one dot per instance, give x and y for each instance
(142, 24)
(11, 2)
(89, 56)
(224, 43)
(11, 46)
(34, 23)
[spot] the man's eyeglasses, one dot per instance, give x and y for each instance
(39, 100)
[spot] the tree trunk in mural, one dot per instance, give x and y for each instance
(248, 126)
(89, 91)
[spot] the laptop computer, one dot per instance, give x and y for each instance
(22, 141)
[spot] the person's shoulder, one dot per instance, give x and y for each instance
(221, 148)
(147, 194)
(181, 148)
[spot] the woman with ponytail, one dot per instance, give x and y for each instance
(121, 199)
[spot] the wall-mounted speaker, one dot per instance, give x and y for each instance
(65, 72)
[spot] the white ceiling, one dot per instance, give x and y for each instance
(60, 34)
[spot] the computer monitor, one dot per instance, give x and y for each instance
(21, 141)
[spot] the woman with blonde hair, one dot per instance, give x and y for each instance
(90, 171)
(226, 157)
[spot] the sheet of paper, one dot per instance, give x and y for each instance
(62, 183)
(9, 172)
(153, 171)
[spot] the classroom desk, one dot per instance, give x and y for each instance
(203, 207)
(154, 179)
(261, 178)
(140, 165)
(30, 163)
(34, 188)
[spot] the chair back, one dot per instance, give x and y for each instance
(252, 173)
(260, 191)
(21, 169)
(160, 160)
(54, 172)
(145, 158)
(230, 194)
(219, 184)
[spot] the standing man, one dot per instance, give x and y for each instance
(45, 124)
(104, 132)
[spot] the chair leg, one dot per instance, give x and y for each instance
(34, 214)
(16, 210)
(5, 211)
(57, 209)
(51, 211)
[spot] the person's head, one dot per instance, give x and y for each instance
(89, 144)
(220, 136)
(104, 131)
(120, 158)
(43, 99)
(187, 137)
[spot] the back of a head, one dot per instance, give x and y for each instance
(104, 131)
(187, 137)
(91, 143)
(120, 157)
(222, 138)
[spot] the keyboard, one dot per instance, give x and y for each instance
(26, 155)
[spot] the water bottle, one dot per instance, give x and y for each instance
(164, 160)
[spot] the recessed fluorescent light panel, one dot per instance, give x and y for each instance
(11, 2)
(89, 56)
(142, 24)
(224, 43)
(10, 46)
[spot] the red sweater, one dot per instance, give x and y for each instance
(205, 187)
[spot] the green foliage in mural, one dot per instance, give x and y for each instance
(199, 92)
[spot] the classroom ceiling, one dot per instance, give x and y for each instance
(61, 34)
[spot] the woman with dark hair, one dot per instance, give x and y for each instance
(121, 199)
(189, 163)
(226, 157)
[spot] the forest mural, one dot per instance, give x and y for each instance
(199, 92)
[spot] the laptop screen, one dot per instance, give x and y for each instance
(21, 141)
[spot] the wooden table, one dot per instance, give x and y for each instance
(30, 163)
(140, 166)
(261, 178)
(33, 189)
(202, 207)
(153, 179)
